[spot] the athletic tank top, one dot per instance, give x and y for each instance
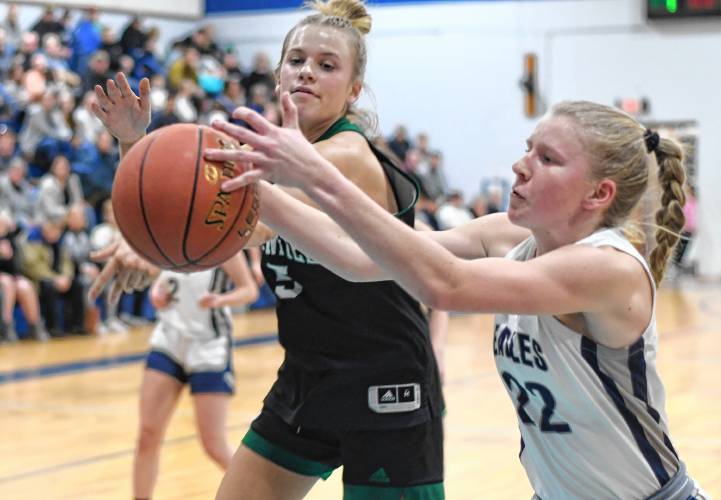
(592, 419)
(184, 315)
(342, 338)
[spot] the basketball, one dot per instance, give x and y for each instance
(168, 203)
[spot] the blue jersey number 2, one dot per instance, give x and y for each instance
(549, 404)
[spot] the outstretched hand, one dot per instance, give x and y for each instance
(124, 271)
(125, 115)
(278, 154)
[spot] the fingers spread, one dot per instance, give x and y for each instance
(116, 291)
(99, 112)
(114, 92)
(289, 110)
(144, 88)
(103, 98)
(242, 134)
(124, 86)
(105, 253)
(236, 155)
(244, 179)
(102, 280)
(253, 119)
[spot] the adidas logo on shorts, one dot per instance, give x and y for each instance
(394, 398)
(389, 396)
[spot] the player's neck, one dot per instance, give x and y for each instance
(313, 131)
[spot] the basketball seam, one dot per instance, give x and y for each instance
(232, 227)
(189, 218)
(142, 205)
(196, 261)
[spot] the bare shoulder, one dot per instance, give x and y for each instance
(348, 151)
(351, 154)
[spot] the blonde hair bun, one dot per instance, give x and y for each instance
(354, 11)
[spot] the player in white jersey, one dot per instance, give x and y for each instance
(575, 338)
(191, 344)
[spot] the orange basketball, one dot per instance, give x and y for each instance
(168, 203)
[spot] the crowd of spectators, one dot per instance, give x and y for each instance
(440, 206)
(57, 162)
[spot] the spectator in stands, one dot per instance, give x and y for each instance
(433, 179)
(127, 66)
(166, 116)
(58, 190)
(158, 93)
(43, 120)
(426, 209)
(87, 126)
(7, 53)
(10, 24)
(8, 147)
(98, 71)
(410, 165)
(76, 243)
(399, 143)
(147, 63)
(232, 67)
(16, 288)
(233, 96)
(261, 73)
(28, 47)
(453, 212)
(423, 147)
(49, 267)
(57, 60)
(16, 194)
(85, 41)
(259, 98)
(133, 36)
(185, 108)
(478, 206)
(184, 68)
(98, 184)
(37, 77)
(494, 199)
(13, 85)
(111, 45)
(48, 23)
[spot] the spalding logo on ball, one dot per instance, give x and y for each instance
(168, 203)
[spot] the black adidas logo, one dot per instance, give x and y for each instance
(387, 394)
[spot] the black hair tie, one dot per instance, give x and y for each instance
(652, 139)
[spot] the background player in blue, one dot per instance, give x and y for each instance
(192, 344)
(359, 385)
(575, 337)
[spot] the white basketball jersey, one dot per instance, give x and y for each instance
(184, 315)
(592, 419)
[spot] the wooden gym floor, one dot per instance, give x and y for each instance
(67, 429)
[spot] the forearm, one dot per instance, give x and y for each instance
(325, 242)
(239, 296)
(428, 272)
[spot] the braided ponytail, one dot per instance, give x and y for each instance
(669, 217)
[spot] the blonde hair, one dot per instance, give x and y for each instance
(351, 18)
(617, 148)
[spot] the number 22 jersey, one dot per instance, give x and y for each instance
(592, 419)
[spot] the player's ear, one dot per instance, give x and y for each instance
(601, 195)
(355, 90)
